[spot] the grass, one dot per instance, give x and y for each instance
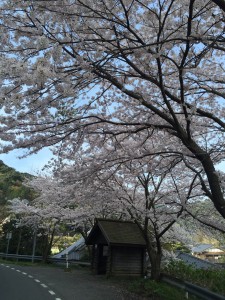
(21, 263)
(157, 290)
(211, 279)
(140, 288)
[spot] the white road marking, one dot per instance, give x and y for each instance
(36, 280)
(51, 292)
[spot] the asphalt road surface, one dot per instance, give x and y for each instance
(53, 283)
(16, 284)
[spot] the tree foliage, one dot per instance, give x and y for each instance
(22, 239)
(146, 193)
(75, 72)
(11, 184)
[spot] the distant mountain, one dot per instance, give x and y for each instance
(11, 184)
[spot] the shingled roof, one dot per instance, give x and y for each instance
(116, 233)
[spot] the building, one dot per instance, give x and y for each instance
(118, 248)
(196, 262)
(208, 252)
(75, 251)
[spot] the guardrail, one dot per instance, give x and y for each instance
(20, 257)
(190, 288)
(39, 258)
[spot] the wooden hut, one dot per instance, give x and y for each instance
(118, 248)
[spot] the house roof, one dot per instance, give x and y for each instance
(207, 247)
(77, 246)
(196, 262)
(116, 233)
(200, 248)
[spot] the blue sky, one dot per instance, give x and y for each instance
(32, 164)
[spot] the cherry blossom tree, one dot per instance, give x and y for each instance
(158, 194)
(72, 71)
(144, 190)
(46, 213)
(151, 192)
(204, 214)
(58, 204)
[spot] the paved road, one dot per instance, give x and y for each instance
(36, 283)
(17, 285)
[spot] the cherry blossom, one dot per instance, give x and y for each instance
(85, 75)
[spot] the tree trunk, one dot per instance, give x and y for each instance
(89, 247)
(214, 192)
(45, 250)
(155, 260)
(220, 3)
(19, 243)
(48, 246)
(154, 250)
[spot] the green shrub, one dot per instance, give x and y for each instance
(209, 278)
(156, 290)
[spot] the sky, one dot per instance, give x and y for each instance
(32, 164)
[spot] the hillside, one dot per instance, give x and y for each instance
(11, 184)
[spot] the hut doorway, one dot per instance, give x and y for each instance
(102, 258)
